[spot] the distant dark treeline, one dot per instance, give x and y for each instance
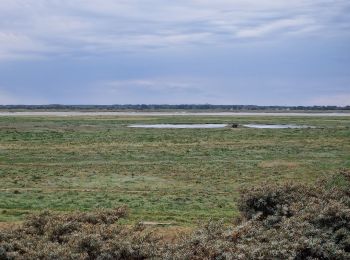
(167, 107)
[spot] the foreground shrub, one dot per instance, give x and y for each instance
(281, 222)
(289, 221)
(94, 235)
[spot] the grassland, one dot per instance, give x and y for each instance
(175, 175)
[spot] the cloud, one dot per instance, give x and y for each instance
(15, 45)
(160, 85)
(7, 99)
(13, 98)
(331, 100)
(298, 23)
(45, 28)
(145, 90)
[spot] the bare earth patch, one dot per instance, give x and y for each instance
(278, 163)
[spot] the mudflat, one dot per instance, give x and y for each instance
(89, 113)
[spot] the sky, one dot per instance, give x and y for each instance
(257, 52)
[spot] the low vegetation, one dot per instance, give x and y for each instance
(94, 235)
(181, 176)
(290, 221)
(285, 221)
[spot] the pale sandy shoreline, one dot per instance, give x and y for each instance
(74, 113)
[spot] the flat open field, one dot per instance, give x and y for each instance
(174, 175)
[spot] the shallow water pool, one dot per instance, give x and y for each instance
(262, 126)
(179, 126)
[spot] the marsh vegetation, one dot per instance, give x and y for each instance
(181, 176)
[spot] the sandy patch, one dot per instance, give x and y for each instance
(278, 163)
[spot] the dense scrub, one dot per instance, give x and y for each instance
(280, 222)
(289, 221)
(77, 236)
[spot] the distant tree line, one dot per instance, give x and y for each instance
(142, 107)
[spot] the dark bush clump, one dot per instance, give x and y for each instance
(269, 200)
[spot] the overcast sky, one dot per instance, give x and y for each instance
(263, 52)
